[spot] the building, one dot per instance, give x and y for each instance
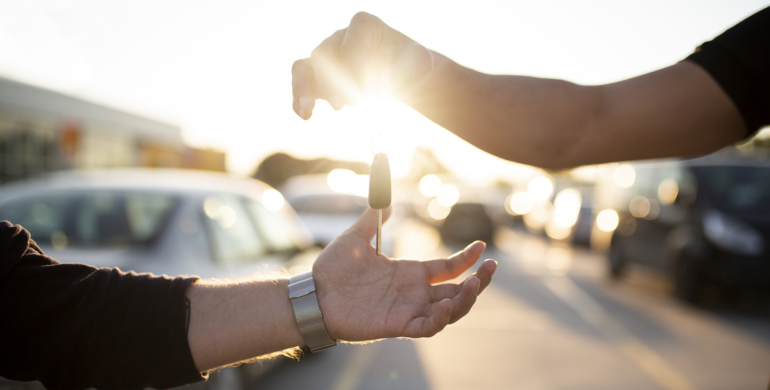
(43, 131)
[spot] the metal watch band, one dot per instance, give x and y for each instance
(308, 314)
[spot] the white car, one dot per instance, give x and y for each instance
(172, 222)
(328, 213)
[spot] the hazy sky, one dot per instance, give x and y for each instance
(221, 69)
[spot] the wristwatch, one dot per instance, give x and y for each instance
(307, 312)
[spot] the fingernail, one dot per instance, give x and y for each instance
(336, 102)
(302, 104)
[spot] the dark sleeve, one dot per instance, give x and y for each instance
(739, 60)
(73, 326)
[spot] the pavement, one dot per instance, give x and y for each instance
(552, 320)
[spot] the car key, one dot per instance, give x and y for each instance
(379, 191)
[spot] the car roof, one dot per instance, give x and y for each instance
(162, 180)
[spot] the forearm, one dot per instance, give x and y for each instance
(236, 321)
(523, 119)
(675, 111)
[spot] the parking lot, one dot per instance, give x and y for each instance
(552, 320)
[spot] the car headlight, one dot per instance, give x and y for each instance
(732, 235)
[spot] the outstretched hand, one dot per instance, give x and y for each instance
(367, 57)
(365, 297)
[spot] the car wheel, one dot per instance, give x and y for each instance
(616, 265)
(687, 281)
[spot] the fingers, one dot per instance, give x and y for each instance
(366, 225)
(451, 290)
(462, 303)
(302, 79)
(429, 326)
(464, 295)
(445, 269)
(334, 84)
(485, 272)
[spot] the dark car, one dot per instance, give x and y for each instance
(467, 222)
(704, 221)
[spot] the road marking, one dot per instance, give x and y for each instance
(355, 367)
(593, 313)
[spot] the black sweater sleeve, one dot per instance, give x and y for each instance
(73, 326)
(739, 60)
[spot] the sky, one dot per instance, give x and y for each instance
(221, 69)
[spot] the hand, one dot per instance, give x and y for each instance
(367, 57)
(366, 297)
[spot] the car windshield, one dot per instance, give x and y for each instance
(90, 219)
(735, 188)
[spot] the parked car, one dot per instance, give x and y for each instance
(704, 221)
(170, 222)
(467, 222)
(327, 213)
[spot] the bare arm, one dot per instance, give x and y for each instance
(362, 297)
(675, 111)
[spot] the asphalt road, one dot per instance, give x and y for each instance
(551, 320)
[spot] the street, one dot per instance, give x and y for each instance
(551, 320)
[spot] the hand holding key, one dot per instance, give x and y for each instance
(379, 191)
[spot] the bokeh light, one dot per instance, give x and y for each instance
(361, 185)
(607, 220)
(639, 207)
(216, 209)
(625, 176)
(521, 203)
(541, 213)
(668, 191)
(566, 207)
(272, 200)
(342, 180)
(553, 230)
(448, 195)
(211, 206)
(438, 211)
(430, 185)
(540, 188)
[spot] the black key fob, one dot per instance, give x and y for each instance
(379, 182)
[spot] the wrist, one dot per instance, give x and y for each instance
(433, 83)
(307, 312)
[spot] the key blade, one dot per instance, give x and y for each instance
(379, 232)
(379, 182)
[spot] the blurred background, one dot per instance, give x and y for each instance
(158, 136)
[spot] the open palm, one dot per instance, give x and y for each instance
(364, 296)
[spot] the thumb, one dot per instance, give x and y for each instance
(366, 225)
